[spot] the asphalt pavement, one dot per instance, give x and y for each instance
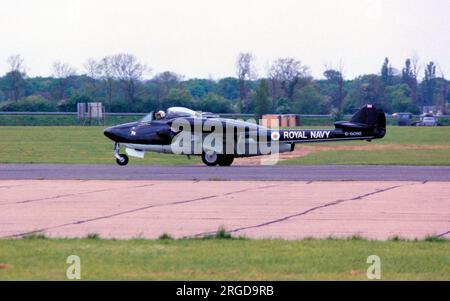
(252, 173)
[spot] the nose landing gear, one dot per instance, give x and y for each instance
(121, 159)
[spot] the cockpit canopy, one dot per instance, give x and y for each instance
(173, 112)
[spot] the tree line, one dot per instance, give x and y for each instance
(288, 88)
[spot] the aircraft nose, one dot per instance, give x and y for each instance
(112, 133)
(120, 133)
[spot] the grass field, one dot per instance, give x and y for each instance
(400, 146)
(67, 144)
(61, 120)
(65, 120)
(73, 144)
(223, 259)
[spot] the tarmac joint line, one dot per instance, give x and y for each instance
(443, 234)
(285, 218)
(133, 211)
(73, 194)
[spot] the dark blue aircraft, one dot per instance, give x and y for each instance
(219, 140)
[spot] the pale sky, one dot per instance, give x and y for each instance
(201, 38)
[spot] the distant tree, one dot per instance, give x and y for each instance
(429, 82)
(147, 103)
(289, 73)
(199, 87)
(128, 71)
(93, 70)
(308, 100)
(32, 103)
(62, 72)
(70, 105)
(372, 90)
(168, 78)
(178, 97)
(16, 76)
(165, 81)
(351, 101)
(335, 81)
(387, 72)
(443, 95)
(107, 76)
(118, 80)
(228, 87)
(212, 102)
(262, 101)
(283, 106)
(365, 89)
(43, 86)
(274, 91)
(245, 71)
(409, 77)
(398, 99)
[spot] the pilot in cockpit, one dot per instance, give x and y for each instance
(160, 115)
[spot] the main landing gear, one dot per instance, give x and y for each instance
(121, 159)
(211, 158)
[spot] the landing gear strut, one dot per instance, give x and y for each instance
(121, 159)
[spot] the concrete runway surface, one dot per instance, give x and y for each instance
(255, 209)
(267, 173)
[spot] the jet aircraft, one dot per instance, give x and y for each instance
(219, 140)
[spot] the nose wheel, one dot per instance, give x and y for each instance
(121, 159)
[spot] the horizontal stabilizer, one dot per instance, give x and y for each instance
(368, 118)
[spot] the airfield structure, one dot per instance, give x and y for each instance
(284, 120)
(91, 113)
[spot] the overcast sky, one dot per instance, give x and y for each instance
(201, 38)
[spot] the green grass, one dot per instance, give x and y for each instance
(402, 148)
(68, 144)
(75, 144)
(58, 120)
(223, 259)
(401, 135)
(416, 136)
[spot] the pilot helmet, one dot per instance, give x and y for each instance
(160, 115)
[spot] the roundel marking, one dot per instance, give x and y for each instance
(275, 136)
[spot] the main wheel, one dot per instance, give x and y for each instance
(210, 158)
(225, 160)
(123, 160)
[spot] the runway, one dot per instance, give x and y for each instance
(254, 209)
(289, 202)
(248, 173)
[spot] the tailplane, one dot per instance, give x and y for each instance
(368, 118)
